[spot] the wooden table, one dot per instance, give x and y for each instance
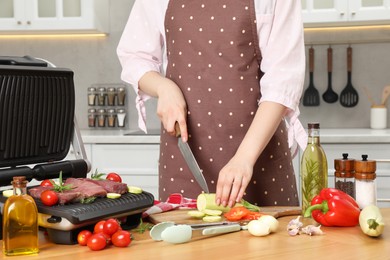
(335, 244)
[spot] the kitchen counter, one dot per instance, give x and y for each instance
(336, 243)
(328, 135)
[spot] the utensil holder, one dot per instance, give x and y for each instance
(378, 119)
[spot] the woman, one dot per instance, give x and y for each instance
(228, 73)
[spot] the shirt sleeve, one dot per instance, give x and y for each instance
(141, 48)
(281, 41)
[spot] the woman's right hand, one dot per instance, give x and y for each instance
(171, 105)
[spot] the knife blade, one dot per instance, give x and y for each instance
(189, 157)
(192, 164)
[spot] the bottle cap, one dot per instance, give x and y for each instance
(314, 125)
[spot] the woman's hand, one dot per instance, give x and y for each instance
(171, 105)
(232, 181)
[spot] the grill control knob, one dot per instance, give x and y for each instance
(54, 219)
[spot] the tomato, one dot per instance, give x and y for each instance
(97, 242)
(121, 238)
(236, 213)
(46, 183)
(98, 228)
(49, 198)
(83, 236)
(252, 216)
(112, 176)
(111, 226)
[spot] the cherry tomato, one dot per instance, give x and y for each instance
(98, 228)
(121, 238)
(46, 183)
(111, 226)
(112, 176)
(83, 236)
(96, 242)
(49, 198)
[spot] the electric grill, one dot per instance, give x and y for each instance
(37, 127)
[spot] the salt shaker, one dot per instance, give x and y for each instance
(365, 184)
(121, 96)
(101, 117)
(102, 96)
(121, 115)
(345, 175)
(111, 115)
(111, 93)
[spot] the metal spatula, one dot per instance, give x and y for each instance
(311, 96)
(349, 97)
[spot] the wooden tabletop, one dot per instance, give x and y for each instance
(336, 243)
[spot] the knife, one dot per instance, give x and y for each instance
(191, 161)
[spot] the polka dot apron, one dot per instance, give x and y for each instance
(213, 56)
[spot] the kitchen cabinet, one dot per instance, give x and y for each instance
(136, 163)
(18, 16)
(349, 12)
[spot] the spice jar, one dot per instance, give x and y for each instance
(365, 185)
(102, 96)
(111, 94)
(121, 115)
(111, 115)
(101, 117)
(345, 175)
(91, 117)
(121, 96)
(91, 96)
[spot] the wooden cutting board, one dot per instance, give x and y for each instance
(180, 216)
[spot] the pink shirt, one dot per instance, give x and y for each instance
(280, 30)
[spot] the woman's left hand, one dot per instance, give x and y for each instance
(232, 181)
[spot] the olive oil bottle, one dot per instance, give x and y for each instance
(20, 221)
(314, 167)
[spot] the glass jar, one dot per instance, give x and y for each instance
(121, 115)
(91, 96)
(102, 96)
(345, 175)
(365, 184)
(121, 96)
(91, 117)
(101, 117)
(111, 94)
(111, 115)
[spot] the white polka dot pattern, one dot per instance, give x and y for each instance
(213, 59)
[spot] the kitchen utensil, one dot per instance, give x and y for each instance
(369, 96)
(191, 161)
(349, 97)
(311, 96)
(181, 216)
(329, 95)
(385, 95)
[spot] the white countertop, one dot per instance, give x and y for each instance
(328, 135)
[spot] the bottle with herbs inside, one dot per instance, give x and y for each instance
(20, 221)
(314, 167)
(345, 175)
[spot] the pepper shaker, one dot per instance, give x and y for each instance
(345, 175)
(365, 185)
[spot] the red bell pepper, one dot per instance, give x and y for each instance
(333, 207)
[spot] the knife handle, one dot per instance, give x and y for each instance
(177, 129)
(221, 229)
